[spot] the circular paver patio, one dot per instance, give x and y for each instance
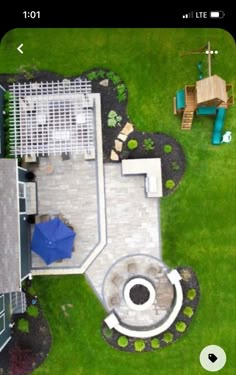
(124, 274)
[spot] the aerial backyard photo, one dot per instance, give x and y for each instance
(117, 201)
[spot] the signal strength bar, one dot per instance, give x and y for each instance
(188, 15)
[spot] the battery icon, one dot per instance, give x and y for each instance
(217, 14)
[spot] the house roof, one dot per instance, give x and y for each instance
(211, 88)
(9, 227)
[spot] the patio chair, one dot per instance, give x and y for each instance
(42, 218)
(115, 300)
(117, 280)
(132, 268)
(65, 156)
(153, 271)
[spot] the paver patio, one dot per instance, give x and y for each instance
(133, 223)
(70, 187)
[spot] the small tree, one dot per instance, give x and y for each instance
(139, 345)
(180, 326)
(132, 144)
(168, 337)
(191, 294)
(167, 149)
(188, 311)
(123, 341)
(23, 325)
(170, 184)
(33, 311)
(155, 343)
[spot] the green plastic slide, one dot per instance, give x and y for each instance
(218, 126)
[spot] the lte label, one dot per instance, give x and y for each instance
(201, 14)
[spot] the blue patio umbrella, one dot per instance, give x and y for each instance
(52, 240)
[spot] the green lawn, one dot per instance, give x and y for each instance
(198, 221)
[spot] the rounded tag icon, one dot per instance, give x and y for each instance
(212, 358)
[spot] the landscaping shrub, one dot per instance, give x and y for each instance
(148, 144)
(139, 345)
(92, 75)
(6, 122)
(121, 92)
(175, 166)
(113, 119)
(11, 80)
(191, 294)
(7, 132)
(23, 325)
(170, 184)
(116, 79)
(7, 95)
(20, 361)
(168, 337)
(155, 343)
(108, 332)
(132, 144)
(31, 291)
(180, 326)
(167, 149)
(113, 77)
(123, 341)
(188, 311)
(101, 74)
(33, 311)
(27, 71)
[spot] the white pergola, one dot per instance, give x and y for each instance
(50, 118)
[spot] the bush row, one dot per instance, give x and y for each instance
(121, 89)
(23, 324)
(178, 328)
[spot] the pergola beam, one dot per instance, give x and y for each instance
(51, 118)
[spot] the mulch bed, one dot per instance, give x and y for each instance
(108, 102)
(189, 281)
(172, 163)
(26, 351)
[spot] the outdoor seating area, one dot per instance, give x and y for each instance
(69, 193)
(46, 217)
(56, 117)
(53, 240)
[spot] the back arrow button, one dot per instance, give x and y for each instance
(19, 48)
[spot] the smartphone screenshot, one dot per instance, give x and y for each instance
(117, 192)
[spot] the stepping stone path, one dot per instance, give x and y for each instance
(118, 145)
(64, 308)
(114, 156)
(121, 138)
(104, 82)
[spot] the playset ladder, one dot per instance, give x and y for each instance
(187, 120)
